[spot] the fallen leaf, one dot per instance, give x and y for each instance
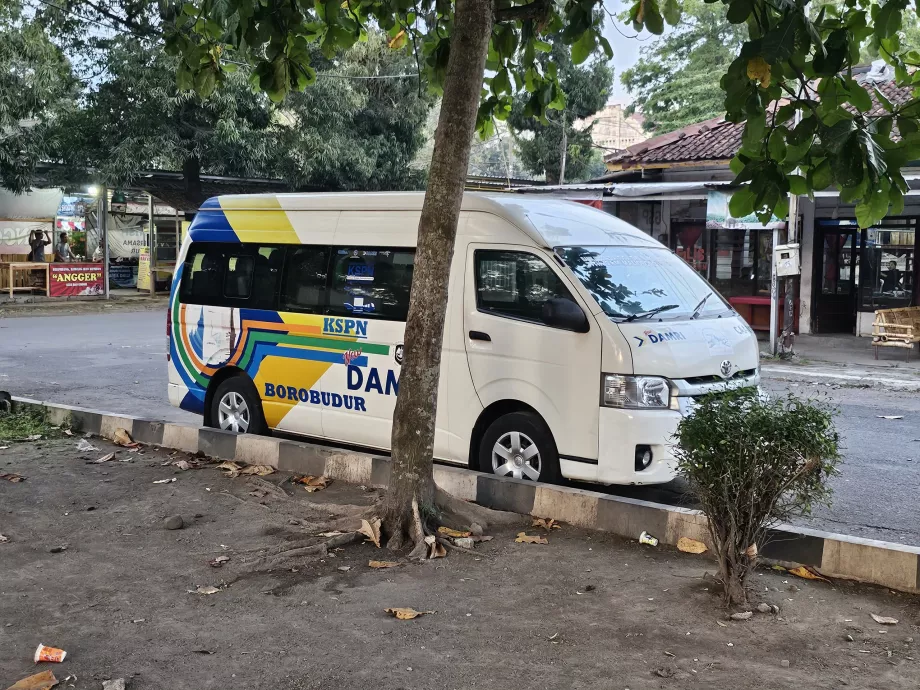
(4, 447)
(67, 432)
(371, 530)
(742, 616)
(890, 416)
(329, 535)
(406, 614)
(33, 437)
(116, 684)
(106, 458)
(10, 477)
(688, 545)
(523, 538)
(3, 539)
(751, 551)
(435, 550)
(884, 620)
(721, 624)
(205, 589)
(382, 564)
(85, 446)
(40, 681)
(122, 438)
(182, 465)
(232, 469)
(312, 483)
(165, 481)
(545, 523)
(448, 532)
(258, 470)
(807, 573)
(219, 561)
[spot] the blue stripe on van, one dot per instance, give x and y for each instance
(260, 315)
(212, 226)
(263, 350)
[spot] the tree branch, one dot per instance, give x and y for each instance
(533, 10)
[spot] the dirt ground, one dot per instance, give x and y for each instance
(586, 610)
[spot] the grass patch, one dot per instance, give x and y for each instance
(19, 426)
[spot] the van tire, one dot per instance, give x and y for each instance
(242, 405)
(519, 431)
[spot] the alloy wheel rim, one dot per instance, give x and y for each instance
(233, 413)
(516, 455)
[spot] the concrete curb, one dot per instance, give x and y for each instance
(860, 377)
(882, 563)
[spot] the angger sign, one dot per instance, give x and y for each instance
(68, 280)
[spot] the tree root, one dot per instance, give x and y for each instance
(453, 547)
(463, 513)
(417, 533)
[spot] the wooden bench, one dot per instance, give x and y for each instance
(896, 328)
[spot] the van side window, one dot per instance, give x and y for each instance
(371, 282)
(203, 274)
(238, 277)
(266, 277)
(304, 284)
(515, 284)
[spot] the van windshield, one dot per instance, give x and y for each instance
(641, 283)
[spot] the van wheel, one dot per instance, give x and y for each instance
(236, 407)
(519, 445)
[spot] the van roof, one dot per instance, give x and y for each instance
(548, 222)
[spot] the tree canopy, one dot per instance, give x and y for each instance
(586, 88)
(675, 82)
(37, 89)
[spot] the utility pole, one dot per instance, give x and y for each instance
(565, 147)
(792, 237)
(102, 220)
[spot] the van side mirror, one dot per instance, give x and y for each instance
(561, 312)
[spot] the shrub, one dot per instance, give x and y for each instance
(753, 462)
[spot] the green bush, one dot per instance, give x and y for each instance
(753, 462)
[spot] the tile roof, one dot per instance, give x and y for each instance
(716, 141)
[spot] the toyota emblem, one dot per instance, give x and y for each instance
(726, 368)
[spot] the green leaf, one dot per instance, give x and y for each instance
(882, 99)
(205, 82)
(859, 97)
(653, 20)
(229, 67)
(777, 146)
(542, 46)
(848, 163)
(739, 11)
(583, 47)
(672, 12)
(798, 185)
(821, 176)
(742, 203)
(835, 137)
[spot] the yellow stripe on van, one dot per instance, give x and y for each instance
(267, 223)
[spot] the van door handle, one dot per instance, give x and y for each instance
(479, 335)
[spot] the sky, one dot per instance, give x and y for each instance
(626, 46)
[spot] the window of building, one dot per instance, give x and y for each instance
(885, 271)
(515, 284)
(303, 286)
(371, 282)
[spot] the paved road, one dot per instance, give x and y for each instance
(116, 362)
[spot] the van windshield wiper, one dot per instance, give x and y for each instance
(699, 307)
(650, 312)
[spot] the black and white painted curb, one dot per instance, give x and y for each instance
(883, 563)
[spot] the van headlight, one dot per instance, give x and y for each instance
(643, 392)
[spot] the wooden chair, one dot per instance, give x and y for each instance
(896, 328)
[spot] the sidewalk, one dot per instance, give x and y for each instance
(39, 305)
(846, 360)
(129, 598)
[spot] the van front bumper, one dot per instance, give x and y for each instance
(620, 431)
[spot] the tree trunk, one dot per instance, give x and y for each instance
(414, 418)
(191, 176)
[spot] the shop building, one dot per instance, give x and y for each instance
(668, 186)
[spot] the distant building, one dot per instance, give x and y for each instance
(614, 130)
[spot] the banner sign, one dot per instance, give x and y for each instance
(122, 276)
(718, 217)
(68, 280)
